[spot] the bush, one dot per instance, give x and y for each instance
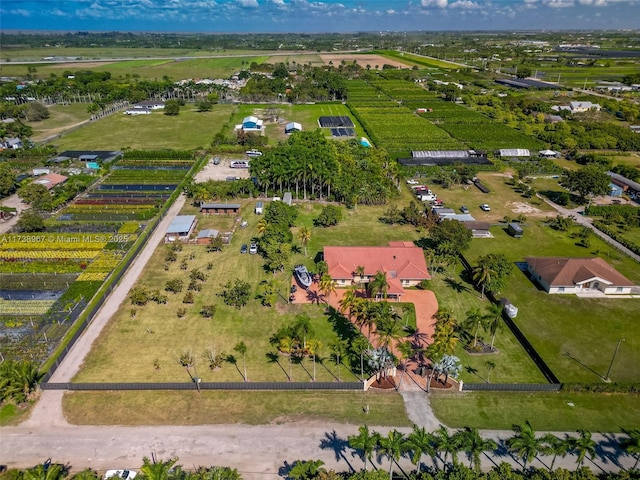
(174, 286)
(188, 297)
(329, 216)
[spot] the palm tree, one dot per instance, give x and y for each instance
(419, 442)
(48, 471)
(378, 285)
(583, 445)
(307, 470)
(365, 442)
(482, 274)
(494, 316)
(631, 444)
(447, 444)
(524, 443)
(360, 273)
(304, 235)
(154, 470)
(476, 320)
(313, 347)
(287, 345)
(337, 348)
(406, 352)
(302, 328)
(388, 327)
(360, 345)
(552, 445)
(392, 447)
(475, 445)
(241, 348)
(326, 286)
(347, 302)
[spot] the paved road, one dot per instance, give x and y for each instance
(14, 202)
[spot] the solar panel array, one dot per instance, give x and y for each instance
(335, 121)
(343, 132)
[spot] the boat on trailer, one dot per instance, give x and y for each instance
(302, 275)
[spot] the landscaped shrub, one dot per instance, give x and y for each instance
(604, 228)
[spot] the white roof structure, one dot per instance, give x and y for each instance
(439, 153)
(548, 153)
(293, 126)
(181, 224)
(514, 152)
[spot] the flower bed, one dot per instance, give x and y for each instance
(25, 307)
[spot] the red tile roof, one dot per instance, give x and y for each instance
(562, 271)
(401, 260)
(51, 180)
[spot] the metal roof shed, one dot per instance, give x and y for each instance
(182, 225)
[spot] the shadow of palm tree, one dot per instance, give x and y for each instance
(332, 441)
(273, 357)
(234, 361)
(314, 296)
(609, 450)
(457, 286)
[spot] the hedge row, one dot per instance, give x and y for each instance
(613, 387)
(604, 228)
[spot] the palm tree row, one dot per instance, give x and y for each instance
(444, 444)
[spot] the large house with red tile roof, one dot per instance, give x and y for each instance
(402, 262)
(51, 180)
(577, 275)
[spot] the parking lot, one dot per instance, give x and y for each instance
(223, 170)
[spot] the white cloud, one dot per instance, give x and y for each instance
(391, 12)
(595, 3)
(465, 5)
(278, 2)
(434, 3)
(21, 12)
(558, 3)
(248, 3)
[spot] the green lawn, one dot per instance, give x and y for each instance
(587, 329)
(545, 411)
(61, 118)
(512, 364)
(250, 408)
(188, 130)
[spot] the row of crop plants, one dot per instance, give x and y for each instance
(47, 278)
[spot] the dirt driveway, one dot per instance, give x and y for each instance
(223, 171)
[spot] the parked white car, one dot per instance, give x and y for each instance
(121, 474)
(412, 182)
(485, 207)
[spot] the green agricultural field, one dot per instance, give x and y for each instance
(589, 76)
(411, 59)
(545, 411)
(557, 325)
(248, 408)
(156, 333)
(188, 130)
(61, 119)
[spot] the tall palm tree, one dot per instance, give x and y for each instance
(419, 442)
(447, 444)
(360, 345)
(313, 347)
(524, 443)
(304, 235)
(241, 348)
(583, 445)
(482, 274)
(326, 286)
(154, 470)
(495, 323)
(50, 471)
(366, 442)
(302, 328)
(338, 348)
(406, 353)
(552, 445)
(360, 273)
(476, 320)
(378, 285)
(475, 446)
(631, 444)
(388, 328)
(347, 302)
(392, 446)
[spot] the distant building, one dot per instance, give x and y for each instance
(181, 228)
(251, 124)
(514, 152)
(51, 180)
(219, 208)
(292, 127)
(204, 236)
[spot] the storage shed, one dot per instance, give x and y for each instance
(181, 228)
(515, 230)
(292, 127)
(259, 208)
(204, 236)
(287, 198)
(219, 207)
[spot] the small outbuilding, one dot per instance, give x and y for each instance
(181, 228)
(478, 229)
(515, 230)
(292, 127)
(204, 236)
(287, 198)
(259, 208)
(219, 208)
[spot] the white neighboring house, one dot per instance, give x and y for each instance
(577, 107)
(558, 275)
(137, 111)
(150, 104)
(250, 124)
(12, 143)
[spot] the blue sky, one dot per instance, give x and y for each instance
(317, 15)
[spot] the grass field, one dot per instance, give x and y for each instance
(545, 411)
(306, 115)
(188, 130)
(253, 324)
(61, 118)
(249, 408)
(411, 59)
